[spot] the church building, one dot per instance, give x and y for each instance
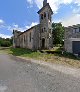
(39, 36)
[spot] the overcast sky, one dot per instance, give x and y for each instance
(22, 14)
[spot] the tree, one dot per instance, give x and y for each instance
(58, 33)
(10, 40)
(5, 42)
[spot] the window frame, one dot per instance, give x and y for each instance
(42, 16)
(30, 37)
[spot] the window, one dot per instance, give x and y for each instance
(41, 16)
(76, 30)
(79, 29)
(49, 30)
(42, 30)
(48, 16)
(30, 37)
(44, 14)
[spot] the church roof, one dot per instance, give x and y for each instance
(28, 29)
(44, 7)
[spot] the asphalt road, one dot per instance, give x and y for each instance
(17, 75)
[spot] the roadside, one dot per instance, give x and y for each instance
(58, 67)
(20, 75)
(52, 61)
(57, 59)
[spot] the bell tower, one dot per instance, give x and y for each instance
(44, 2)
(45, 19)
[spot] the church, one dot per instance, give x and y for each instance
(37, 37)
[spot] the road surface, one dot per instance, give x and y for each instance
(17, 75)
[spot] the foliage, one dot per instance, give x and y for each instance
(5, 42)
(25, 52)
(58, 33)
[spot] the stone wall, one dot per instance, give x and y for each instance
(33, 37)
(16, 38)
(69, 37)
(25, 40)
(28, 39)
(36, 38)
(47, 24)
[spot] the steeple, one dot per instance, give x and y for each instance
(44, 2)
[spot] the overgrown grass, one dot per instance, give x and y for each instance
(58, 51)
(53, 56)
(23, 52)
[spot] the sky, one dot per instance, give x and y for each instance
(22, 14)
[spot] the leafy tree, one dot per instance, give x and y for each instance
(5, 42)
(58, 33)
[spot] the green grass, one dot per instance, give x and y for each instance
(22, 52)
(57, 57)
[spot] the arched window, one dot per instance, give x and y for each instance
(42, 30)
(48, 15)
(79, 29)
(41, 16)
(44, 14)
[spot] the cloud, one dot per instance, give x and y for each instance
(1, 21)
(15, 27)
(32, 24)
(5, 36)
(77, 2)
(76, 10)
(71, 20)
(22, 29)
(3, 26)
(56, 21)
(55, 4)
(30, 1)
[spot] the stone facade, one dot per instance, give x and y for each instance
(39, 36)
(72, 34)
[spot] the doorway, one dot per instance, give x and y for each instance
(43, 43)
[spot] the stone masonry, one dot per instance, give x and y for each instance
(39, 36)
(72, 34)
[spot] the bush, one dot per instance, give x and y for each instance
(67, 54)
(5, 44)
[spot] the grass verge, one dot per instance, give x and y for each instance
(58, 58)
